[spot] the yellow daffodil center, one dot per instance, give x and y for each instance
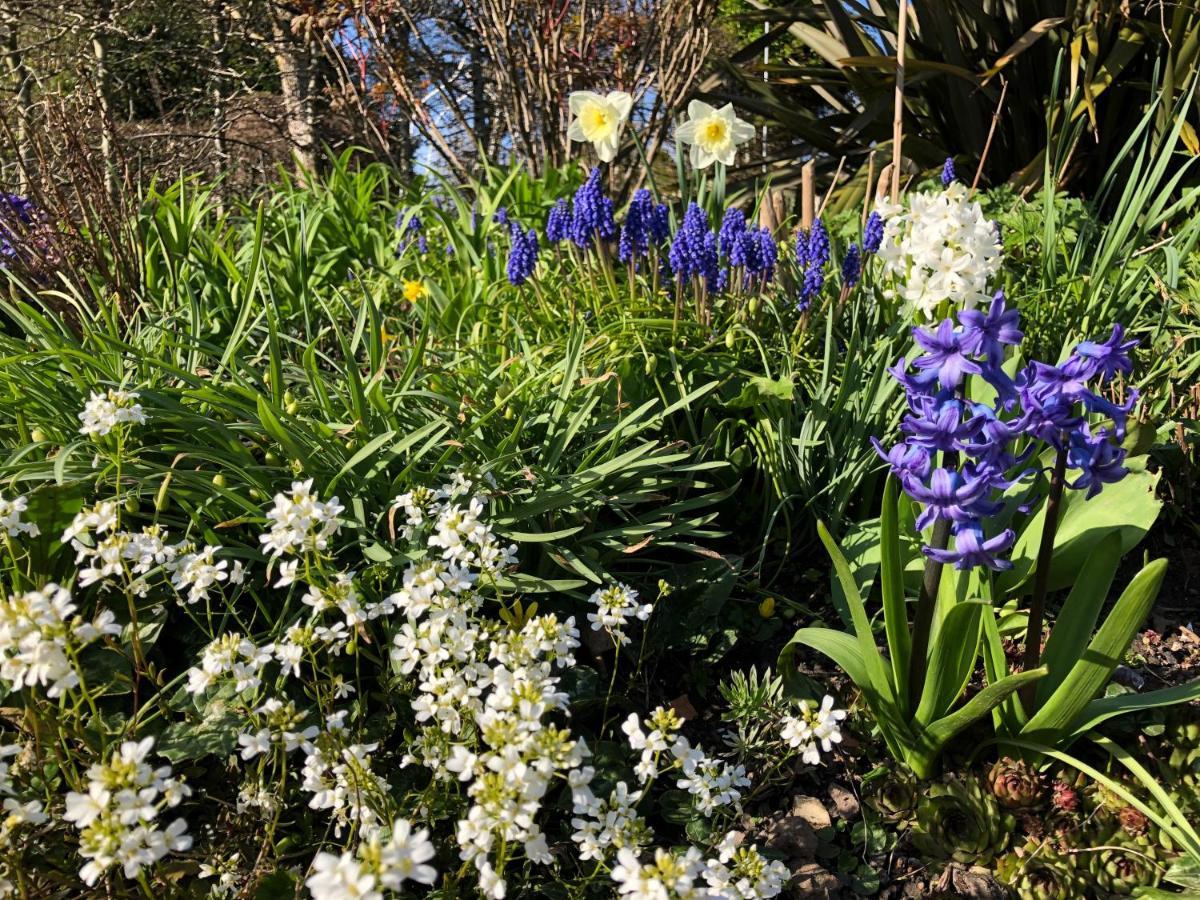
(714, 132)
(595, 121)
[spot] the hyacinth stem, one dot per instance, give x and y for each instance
(918, 661)
(1041, 579)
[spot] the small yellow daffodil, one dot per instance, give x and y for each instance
(714, 134)
(413, 291)
(599, 120)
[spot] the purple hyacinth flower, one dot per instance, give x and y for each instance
(988, 333)
(948, 497)
(1104, 360)
(905, 460)
(1098, 458)
(971, 549)
(944, 351)
(937, 423)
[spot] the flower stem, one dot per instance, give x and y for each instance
(1041, 580)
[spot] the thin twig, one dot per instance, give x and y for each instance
(898, 115)
(991, 131)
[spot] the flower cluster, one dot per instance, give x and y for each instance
(815, 730)
(977, 441)
(300, 522)
(379, 862)
(646, 225)
(117, 817)
(615, 606)
(737, 873)
(694, 251)
(39, 634)
(12, 513)
(592, 213)
(106, 411)
(939, 250)
(812, 255)
(523, 255)
(16, 214)
(413, 229)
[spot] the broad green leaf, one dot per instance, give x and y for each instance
(891, 576)
(1075, 623)
(951, 660)
(1105, 708)
(840, 647)
(1128, 507)
(1088, 676)
(944, 729)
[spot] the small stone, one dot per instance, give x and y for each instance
(811, 882)
(844, 802)
(812, 811)
(683, 708)
(791, 836)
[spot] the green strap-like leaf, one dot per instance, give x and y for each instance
(891, 580)
(1087, 678)
(945, 728)
(951, 661)
(1075, 623)
(1105, 708)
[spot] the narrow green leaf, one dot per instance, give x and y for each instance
(1088, 676)
(891, 575)
(1074, 625)
(951, 661)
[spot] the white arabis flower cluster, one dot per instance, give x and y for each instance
(816, 729)
(378, 863)
(234, 655)
(713, 783)
(300, 522)
(104, 412)
(736, 874)
(117, 817)
(38, 633)
(616, 605)
(941, 248)
(11, 513)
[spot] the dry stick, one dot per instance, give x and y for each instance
(987, 145)
(898, 114)
(866, 212)
(807, 195)
(829, 193)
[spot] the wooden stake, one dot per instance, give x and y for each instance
(867, 197)
(898, 115)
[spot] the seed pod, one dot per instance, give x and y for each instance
(730, 339)
(37, 435)
(218, 480)
(131, 504)
(753, 305)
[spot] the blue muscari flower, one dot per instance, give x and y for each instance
(687, 253)
(744, 252)
(768, 254)
(414, 228)
(635, 232)
(500, 216)
(593, 213)
(948, 173)
(522, 257)
(14, 210)
(873, 233)
(733, 224)
(851, 266)
(558, 223)
(815, 258)
(658, 226)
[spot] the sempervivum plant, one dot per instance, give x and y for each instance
(1015, 783)
(1036, 871)
(958, 819)
(1120, 870)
